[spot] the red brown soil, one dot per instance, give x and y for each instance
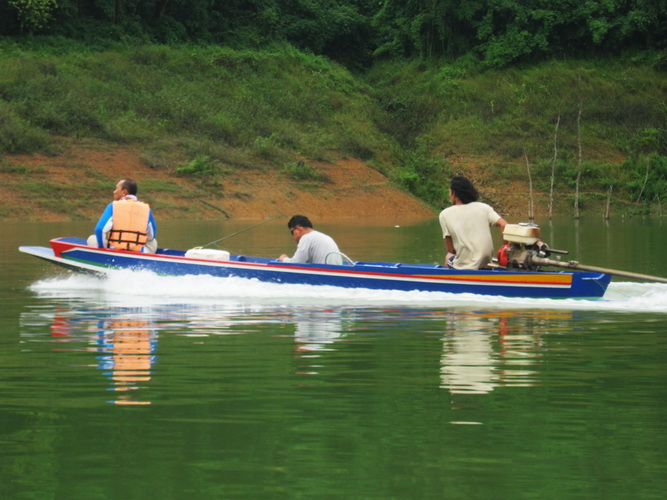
(353, 189)
(84, 175)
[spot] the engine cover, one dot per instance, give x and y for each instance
(523, 233)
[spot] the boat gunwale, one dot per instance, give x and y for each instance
(485, 276)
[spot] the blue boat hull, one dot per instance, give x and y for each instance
(74, 254)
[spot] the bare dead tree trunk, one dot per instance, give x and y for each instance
(163, 9)
(553, 168)
(645, 181)
(531, 213)
(606, 208)
(657, 197)
(579, 154)
(117, 11)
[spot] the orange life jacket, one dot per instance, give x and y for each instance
(130, 221)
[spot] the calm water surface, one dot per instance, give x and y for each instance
(142, 387)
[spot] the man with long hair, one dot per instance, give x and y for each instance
(466, 227)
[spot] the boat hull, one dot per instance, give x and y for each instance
(74, 254)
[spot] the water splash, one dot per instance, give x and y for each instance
(130, 288)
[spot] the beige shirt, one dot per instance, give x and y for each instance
(469, 227)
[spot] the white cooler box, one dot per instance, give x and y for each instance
(207, 253)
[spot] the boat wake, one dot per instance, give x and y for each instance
(131, 288)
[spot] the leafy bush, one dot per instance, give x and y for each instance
(650, 180)
(17, 135)
(301, 171)
(425, 176)
(268, 148)
(201, 166)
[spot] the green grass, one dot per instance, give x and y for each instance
(52, 197)
(19, 169)
(147, 94)
(438, 110)
(208, 111)
(301, 171)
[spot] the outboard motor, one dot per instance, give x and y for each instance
(522, 245)
(524, 250)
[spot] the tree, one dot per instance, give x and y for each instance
(426, 28)
(553, 168)
(34, 14)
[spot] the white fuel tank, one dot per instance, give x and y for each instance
(523, 233)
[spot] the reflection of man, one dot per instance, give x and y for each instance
(468, 360)
(471, 365)
(315, 331)
(127, 223)
(130, 344)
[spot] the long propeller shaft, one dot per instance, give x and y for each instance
(573, 264)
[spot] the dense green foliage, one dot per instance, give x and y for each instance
(497, 32)
(503, 31)
(340, 30)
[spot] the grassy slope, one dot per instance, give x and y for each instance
(210, 111)
(502, 117)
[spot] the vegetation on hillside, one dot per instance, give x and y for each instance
(443, 111)
(407, 86)
(354, 32)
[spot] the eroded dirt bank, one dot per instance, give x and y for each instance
(78, 182)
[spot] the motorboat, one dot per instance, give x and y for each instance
(507, 281)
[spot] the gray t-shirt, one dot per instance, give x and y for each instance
(468, 225)
(316, 248)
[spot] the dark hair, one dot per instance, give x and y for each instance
(299, 220)
(464, 190)
(130, 185)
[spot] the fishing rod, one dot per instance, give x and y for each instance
(241, 231)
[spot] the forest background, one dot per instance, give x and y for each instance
(563, 101)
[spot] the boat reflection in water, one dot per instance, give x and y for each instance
(483, 351)
(465, 350)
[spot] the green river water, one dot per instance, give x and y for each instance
(154, 387)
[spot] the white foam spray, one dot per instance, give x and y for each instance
(130, 288)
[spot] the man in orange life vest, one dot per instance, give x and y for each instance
(127, 223)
